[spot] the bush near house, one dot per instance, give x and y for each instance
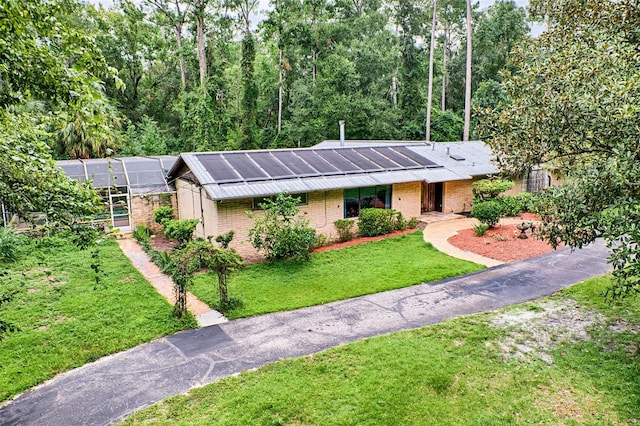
(282, 233)
(180, 230)
(345, 229)
(163, 214)
(489, 189)
(487, 212)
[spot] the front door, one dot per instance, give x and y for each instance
(432, 197)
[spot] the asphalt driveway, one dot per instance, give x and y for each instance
(113, 387)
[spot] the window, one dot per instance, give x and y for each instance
(302, 197)
(378, 197)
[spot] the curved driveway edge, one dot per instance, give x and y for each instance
(114, 387)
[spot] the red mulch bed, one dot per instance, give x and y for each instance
(501, 243)
(162, 243)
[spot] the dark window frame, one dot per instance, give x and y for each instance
(256, 201)
(367, 196)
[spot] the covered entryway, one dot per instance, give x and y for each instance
(432, 196)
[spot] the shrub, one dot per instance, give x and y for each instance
(281, 233)
(141, 234)
(180, 230)
(345, 229)
(487, 212)
(322, 240)
(488, 189)
(376, 222)
(513, 205)
(399, 224)
(10, 244)
(412, 223)
(480, 229)
(163, 214)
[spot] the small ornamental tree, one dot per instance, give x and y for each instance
(195, 256)
(282, 233)
(488, 189)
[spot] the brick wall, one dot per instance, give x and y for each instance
(457, 196)
(406, 198)
(142, 208)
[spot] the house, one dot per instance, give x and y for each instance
(132, 188)
(333, 180)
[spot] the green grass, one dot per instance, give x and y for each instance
(334, 275)
(447, 374)
(63, 321)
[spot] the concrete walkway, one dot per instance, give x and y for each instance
(164, 285)
(114, 387)
(437, 233)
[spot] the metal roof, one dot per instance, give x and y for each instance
(143, 175)
(246, 174)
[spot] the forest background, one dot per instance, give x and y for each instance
(179, 76)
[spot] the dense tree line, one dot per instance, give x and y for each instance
(188, 75)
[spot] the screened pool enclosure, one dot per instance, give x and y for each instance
(119, 180)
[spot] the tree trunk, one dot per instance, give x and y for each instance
(280, 87)
(222, 289)
(431, 54)
(467, 92)
(183, 71)
(202, 58)
(445, 72)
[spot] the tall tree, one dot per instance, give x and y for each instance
(574, 105)
(434, 21)
(467, 80)
(176, 14)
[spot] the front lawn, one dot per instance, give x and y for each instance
(63, 320)
(334, 275)
(568, 359)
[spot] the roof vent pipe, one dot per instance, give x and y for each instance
(341, 122)
(448, 149)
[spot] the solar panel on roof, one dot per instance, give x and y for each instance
(378, 158)
(317, 162)
(338, 161)
(243, 165)
(271, 165)
(218, 168)
(413, 156)
(294, 163)
(364, 163)
(457, 157)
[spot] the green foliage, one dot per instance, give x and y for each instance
(163, 214)
(487, 212)
(180, 230)
(412, 223)
(372, 222)
(480, 229)
(141, 234)
(10, 243)
(225, 239)
(513, 205)
(83, 235)
(573, 105)
(345, 229)
(487, 189)
(281, 233)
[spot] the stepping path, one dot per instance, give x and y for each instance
(164, 285)
(113, 387)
